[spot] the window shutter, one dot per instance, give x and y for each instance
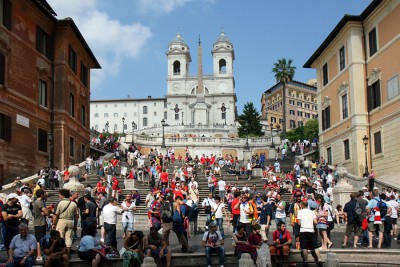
(7, 128)
(7, 13)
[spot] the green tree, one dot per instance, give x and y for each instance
(284, 73)
(295, 134)
(250, 123)
(311, 129)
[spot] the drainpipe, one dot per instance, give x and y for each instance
(366, 81)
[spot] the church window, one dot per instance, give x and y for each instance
(165, 104)
(165, 115)
(144, 109)
(145, 121)
(222, 66)
(223, 115)
(177, 68)
(176, 116)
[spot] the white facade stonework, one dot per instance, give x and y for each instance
(182, 105)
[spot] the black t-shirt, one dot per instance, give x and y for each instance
(349, 209)
(266, 210)
(92, 209)
(57, 247)
(12, 210)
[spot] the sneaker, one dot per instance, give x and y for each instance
(39, 259)
(395, 238)
(101, 239)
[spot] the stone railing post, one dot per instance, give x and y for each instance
(246, 261)
(148, 262)
(332, 260)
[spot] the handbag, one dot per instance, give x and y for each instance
(207, 209)
(123, 249)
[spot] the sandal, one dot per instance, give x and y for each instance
(344, 246)
(330, 245)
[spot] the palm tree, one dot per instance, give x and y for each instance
(284, 73)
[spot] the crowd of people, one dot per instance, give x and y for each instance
(173, 204)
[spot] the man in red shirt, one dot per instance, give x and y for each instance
(280, 247)
(115, 187)
(235, 212)
(164, 178)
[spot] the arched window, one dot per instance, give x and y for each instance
(177, 68)
(144, 109)
(222, 66)
(194, 90)
(115, 127)
(144, 121)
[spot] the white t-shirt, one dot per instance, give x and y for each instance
(395, 207)
(150, 199)
(280, 213)
(306, 218)
(221, 185)
(24, 200)
(218, 209)
(244, 217)
(128, 216)
(110, 213)
(212, 237)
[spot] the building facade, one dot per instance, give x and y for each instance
(358, 88)
(301, 105)
(44, 89)
(194, 101)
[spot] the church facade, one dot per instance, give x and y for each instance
(198, 104)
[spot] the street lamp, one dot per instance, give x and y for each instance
(247, 147)
(272, 137)
(365, 141)
(163, 138)
(123, 125)
(133, 129)
(182, 117)
(107, 124)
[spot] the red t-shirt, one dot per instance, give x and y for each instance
(164, 177)
(178, 193)
(283, 238)
(115, 184)
(159, 168)
(235, 211)
(202, 160)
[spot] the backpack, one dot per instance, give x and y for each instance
(166, 212)
(193, 212)
(253, 207)
(42, 243)
(359, 214)
(382, 208)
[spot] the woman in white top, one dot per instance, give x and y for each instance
(280, 212)
(219, 208)
(25, 201)
(128, 206)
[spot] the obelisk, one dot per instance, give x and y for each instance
(200, 109)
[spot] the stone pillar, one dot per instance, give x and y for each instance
(342, 190)
(331, 260)
(148, 262)
(246, 156)
(246, 261)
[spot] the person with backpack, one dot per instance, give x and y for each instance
(354, 220)
(213, 242)
(193, 215)
(180, 223)
(375, 212)
(218, 209)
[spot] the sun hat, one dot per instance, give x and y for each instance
(12, 195)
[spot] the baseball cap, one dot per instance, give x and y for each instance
(376, 188)
(12, 195)
(212, 224)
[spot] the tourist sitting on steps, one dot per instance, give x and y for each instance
(213, 243)
(155, 247)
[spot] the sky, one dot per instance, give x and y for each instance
(130, 37)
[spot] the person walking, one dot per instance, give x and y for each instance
(66, 216)
(218, 209)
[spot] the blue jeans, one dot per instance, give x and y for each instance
(277, 220)
(220, 224)
(29, 262)
(219, 250)
(212, 190)
(2, 235)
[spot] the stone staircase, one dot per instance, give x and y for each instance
(141, 221)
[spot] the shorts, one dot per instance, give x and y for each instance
(264, 232)
(40, 232)
(372, 227)
(352, 228)
(296, 229)
(322, 226)
(308, 240)
(101, 220)
(127, 226)
(394, 221)
(156, 252)
(88, 255)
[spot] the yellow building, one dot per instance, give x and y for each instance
(358, 68)
(301, 105)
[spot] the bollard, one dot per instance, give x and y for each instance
(148, 262)
(246, 261)
(332, 260)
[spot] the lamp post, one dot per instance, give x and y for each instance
(107, 124)
(163, 137)
(247, 147)
(51, 145)
(365, 141)
(123, 125)
(133, 129)
(272, 137)
(182, 117)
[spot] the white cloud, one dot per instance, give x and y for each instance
(160, 6)
(110, 40)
